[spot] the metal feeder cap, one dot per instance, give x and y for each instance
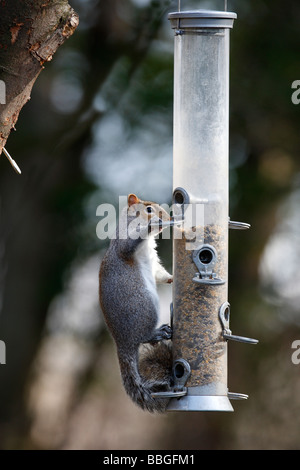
(201, 19)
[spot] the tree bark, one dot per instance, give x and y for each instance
(30, 33)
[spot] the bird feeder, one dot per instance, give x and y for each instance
(200, 308)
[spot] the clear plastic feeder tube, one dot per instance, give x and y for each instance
(200, 183)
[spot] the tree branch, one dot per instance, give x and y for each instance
(30, 33)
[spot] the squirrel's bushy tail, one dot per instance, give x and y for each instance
(152, 373)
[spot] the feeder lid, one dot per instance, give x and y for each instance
(202, 19)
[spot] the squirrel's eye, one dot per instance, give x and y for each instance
(149, 209)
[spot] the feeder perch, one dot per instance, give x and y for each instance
(200, 309)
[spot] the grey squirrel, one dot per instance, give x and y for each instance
(130, 304)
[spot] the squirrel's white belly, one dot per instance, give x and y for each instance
(145, 258)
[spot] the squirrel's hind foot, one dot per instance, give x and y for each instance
(161, 333)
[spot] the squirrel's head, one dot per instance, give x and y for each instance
(148, 212)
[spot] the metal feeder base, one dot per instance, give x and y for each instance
(200, 403)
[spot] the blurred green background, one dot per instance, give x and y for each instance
(99, 125)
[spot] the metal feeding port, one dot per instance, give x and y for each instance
(224, 314)
(200, 308)
(205, 259)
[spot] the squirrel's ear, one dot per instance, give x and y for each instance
(132, 199)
